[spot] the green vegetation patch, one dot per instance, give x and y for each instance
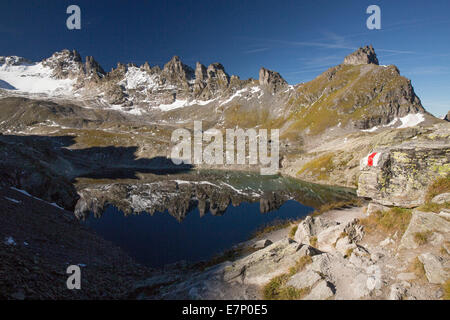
(276, 288)
(440, 185)
(390, 221)
(422, 238)
(319, 167)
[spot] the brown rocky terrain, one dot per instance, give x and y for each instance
(39, 241)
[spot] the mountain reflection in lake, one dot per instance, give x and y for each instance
(161, 219)
(159, 239)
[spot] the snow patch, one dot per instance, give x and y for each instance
(135, 78)
(34, 78)
(407, 121)
(411, 120)
(174, 105)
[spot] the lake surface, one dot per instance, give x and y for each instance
(159, 239)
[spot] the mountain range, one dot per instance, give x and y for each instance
(326, 125)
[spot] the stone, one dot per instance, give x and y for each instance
(322, 291)
(261, 244)
(406, 276)
(374, 207)
(394, 180)
(436, 268)
(304, 279)
(328, 237)
(376, 256)
(374, 280)
(397, 292)
(441, 198)
(386, 242)
(344, 244)
(312, 227)
(261, 266)
(423, 222)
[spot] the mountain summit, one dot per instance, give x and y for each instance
(364, 55)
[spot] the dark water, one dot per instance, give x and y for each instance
(160, 239)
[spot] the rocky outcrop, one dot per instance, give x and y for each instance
(365, 55)
(447, 116)
(93, 68)
(65, 64)
(13, 61)
(437, 227)
(261, 266)
(177, 72)
(271, 80)
(398, 176)
(437, 269)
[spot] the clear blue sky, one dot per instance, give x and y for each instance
(299, 39)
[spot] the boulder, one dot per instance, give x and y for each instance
(399, 176)
(441, 198)
(312, 227)
(397, 292)
(436, 268)
(304, 279)
(423, 222)
(375, 207)
(265, 264)
(349, 280)
(322, 291)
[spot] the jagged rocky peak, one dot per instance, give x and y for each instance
(217, 71)
(92, 67)
(13, 61)
(200, 72)
(365, 55)
(271, 79)
(65, 64)
(177, 70)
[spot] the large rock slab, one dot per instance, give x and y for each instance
(322, 291)
(423, 222)
(350, 281)
(265, 264)
(441, 198)
(436, 268)
(304, 279)
(399, 176)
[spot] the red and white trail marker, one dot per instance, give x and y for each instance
(372, 159)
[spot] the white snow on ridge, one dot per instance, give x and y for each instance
(239, 93)
(34, 78)
(410, 120)
(183, 103)
(135, 78)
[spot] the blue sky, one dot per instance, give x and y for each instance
(299, 39)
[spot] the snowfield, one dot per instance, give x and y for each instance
(34, 78)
